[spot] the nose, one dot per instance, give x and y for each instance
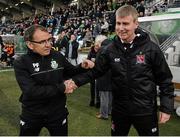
(48, 44)
(121, 27)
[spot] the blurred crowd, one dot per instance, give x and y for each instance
(84, 23)
(76, 19)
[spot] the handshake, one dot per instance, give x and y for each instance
(70, 86)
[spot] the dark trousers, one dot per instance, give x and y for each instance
(145, 125)
(92, 90)
(32, 127)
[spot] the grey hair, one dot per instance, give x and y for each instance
(29, 32)
(99, 39)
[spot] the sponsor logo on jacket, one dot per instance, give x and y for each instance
(36, 67)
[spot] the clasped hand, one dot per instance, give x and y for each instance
(86, 64)
(70, 86)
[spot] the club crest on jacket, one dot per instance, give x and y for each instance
(54, 64)
(140, 59)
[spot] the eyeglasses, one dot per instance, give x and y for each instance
(44, 42)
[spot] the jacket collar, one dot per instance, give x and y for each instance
(140, 39)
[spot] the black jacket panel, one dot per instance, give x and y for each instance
(41, 81)
(135, 74)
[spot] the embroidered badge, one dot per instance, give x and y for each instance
(36, 67)
(140, 59)
(154, 130)
(117, 60)
(22, 123)
(54, 64)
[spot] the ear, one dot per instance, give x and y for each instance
(29, 45)
(137, 23)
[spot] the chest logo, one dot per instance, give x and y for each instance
(36, 67)
(54, 64)
(116, 59)
(140, 59)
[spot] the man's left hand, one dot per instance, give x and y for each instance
(163, 117)
(86, 64)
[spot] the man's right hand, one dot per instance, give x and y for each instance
(70, 86)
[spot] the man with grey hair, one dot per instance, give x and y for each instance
(95, 99)
(41, 75)
(103, 86)
(138, 66)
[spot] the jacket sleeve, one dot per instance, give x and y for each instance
(89, 55)
(71, 70)
(163, 78)
(101, 67)
(31, 88)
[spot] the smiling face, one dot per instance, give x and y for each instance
(41, 43)
(125, 28)
(126, 22)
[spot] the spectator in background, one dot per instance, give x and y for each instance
(95, 98)
(149, 12)
(88, 37)
(112, 22)
(103, 84)
(62, 42)
(165, 3)
(96, 27)
(72, 50)
(1, 46)
(155, 9)
(105, 26)
(3, 51)
(141, 9)
(10, 54)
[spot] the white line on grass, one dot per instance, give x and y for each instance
(6, 70)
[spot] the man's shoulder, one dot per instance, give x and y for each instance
(109, 46)
(21, 57)
(20, 60)
(55, 53)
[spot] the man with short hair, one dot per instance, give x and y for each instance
(72, 50)
(40, 74)
(138, 66)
